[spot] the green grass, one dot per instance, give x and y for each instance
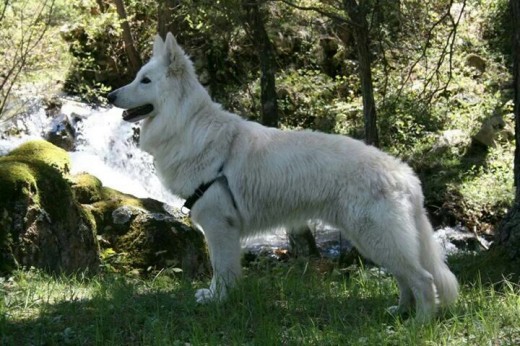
(290, 303)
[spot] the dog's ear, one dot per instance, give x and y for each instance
(174, 54)
(158, 46)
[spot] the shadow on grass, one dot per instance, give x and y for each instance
(489, 268)
(283, 304)
(263, 310)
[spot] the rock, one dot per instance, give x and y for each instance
(62, 133)
(123, 214)
(140, 233)
(451, 140)
(52, 105)
(458, 239)
(489, 131)
(476, 62)
(41, 224)
(59, 223)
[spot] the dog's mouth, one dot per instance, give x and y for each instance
(138, 113)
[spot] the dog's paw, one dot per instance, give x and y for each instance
(205, 295)
(394, 310)
(397, 310)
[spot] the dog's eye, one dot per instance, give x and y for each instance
(146, 80)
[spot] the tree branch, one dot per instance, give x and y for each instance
(2, 14)
(447, 49)
(321, 11)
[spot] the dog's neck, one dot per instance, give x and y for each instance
(190, 142)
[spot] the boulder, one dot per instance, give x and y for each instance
(62, 132)
(41, 224)
(477, 62)
(451, 140)
(491, 129)
(140, 233)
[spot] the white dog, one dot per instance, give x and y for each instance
(241, 178)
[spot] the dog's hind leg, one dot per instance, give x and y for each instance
(391, 240)
(406, 299)
(219, 221)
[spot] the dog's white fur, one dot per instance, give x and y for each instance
(280, 178)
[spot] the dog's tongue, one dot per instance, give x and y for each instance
(138, 113)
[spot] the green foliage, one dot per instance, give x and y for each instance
(99, 58)
(405, 122)
(498, 28)
(489, 190)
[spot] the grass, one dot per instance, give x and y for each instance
(291, 303)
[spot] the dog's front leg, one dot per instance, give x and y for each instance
(221, 229)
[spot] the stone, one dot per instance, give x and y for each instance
(451, 140)
(68, 224)
(139, 233)
(41, 224)
(476, 62)
(490, 130)
(62, 133)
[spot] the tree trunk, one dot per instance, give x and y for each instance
(357, 15)
(509, 232)
(165, 17)
(302, 242)
(266, 54)
(133, 57)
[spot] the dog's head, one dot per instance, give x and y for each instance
(163, 77)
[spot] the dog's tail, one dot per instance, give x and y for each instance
(432, 259)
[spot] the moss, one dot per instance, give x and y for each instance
(148, 238)
(99, 202)
(153, 243)
(53, 221)
(42, 151)
(15, 178)
(39, 214)
(32, 168)
(87, 188)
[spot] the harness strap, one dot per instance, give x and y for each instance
(199, 192)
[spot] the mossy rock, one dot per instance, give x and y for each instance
(53, 221)
(138, 233)
(41, 224)
(43, 152)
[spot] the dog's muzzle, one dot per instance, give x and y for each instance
(132, 114)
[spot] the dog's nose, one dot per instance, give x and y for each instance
(112, 97)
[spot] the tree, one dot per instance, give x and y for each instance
(301, 239)
(357, 13)
(509, 232)
(133, 56)
(356, 20)
(165, 17)
(255, 23)
(22, 30)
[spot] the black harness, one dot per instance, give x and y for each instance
(199, 191)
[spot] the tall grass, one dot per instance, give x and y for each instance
(293, 303)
